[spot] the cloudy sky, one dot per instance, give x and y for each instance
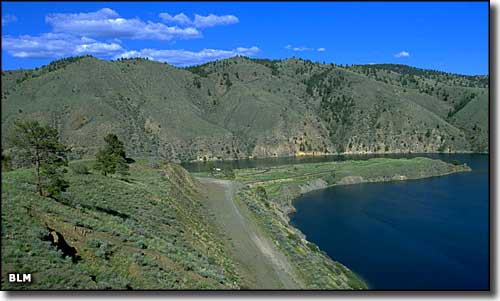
(448, 36)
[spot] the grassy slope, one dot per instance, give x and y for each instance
(428, 89)
(473, 118)
(151, 231)
(148, 233)
(370, 169)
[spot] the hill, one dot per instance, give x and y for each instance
(161, 228)
(153, 230)
(241, 107)
(112, 234)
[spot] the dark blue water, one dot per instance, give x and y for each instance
(429, 234)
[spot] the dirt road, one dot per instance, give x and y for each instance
(260, 263)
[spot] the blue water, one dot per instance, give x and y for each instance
(429, 234)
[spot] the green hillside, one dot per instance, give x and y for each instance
(241, 107)
(123, 233)
(153, 230)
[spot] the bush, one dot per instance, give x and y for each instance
(142, 244)
(293, 237)
(105, 250)
(261, 192)
(330, 179)
(79, 168)
(313, 246)
(229, 173)
(94, 243)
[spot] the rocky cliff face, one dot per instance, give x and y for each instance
(240, 108)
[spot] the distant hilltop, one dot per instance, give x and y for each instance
(243, 108)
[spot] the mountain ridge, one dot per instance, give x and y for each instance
(243, 108)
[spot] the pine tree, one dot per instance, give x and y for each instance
(112, 157)
(40, 146)
(122, 167)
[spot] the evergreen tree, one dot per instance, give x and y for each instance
(111, 158)
(122, 167)
(40, 146)
(52, 172)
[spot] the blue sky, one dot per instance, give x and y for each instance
(448, 36)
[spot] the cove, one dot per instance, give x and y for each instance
(427, 234)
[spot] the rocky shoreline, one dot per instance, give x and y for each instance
(319, 183)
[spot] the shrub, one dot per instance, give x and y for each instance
(94, 243)
(79, 168)
(139, 259)
(142, 244)
(313, 246)
(105, 250)
(229, 173)
(330, 179)
(293, 237)
(211, 260)
(261, 192)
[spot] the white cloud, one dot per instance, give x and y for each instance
(213, 20)
(210, 20)
(303, 48)
(402, 54)
(106, 23)
(8, 19)
(182, 58)
(76, 34)
(56, 45)
(181, 18)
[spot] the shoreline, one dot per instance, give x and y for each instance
(296, 198)
(318, 183)
(309, 155)
(305, 156)
(293, 210)
(283, 185)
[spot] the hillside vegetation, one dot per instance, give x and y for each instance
(160, 228)
(147, 232)
(151, 230)
(241, 107)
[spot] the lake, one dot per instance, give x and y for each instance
(428, 234)
(200, 166)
